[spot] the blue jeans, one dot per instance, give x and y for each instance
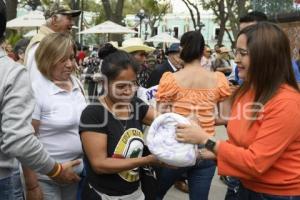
(246, 194)
(11, 187)
(199, 179)
(81, 183)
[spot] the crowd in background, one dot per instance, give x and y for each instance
(71, 145)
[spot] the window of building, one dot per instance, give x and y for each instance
(155, 30)
(175, 30)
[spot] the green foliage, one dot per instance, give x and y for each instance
(100, 15)
(46, 2)
(93, 6)
(13, 38)
(151, 7)
(154, 10)
(227, 14)
(272, 7)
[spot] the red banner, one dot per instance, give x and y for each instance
(297, 1)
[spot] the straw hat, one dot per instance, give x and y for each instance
(135, 44)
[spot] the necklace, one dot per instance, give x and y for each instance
(123, 126)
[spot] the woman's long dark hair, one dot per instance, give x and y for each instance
(270, 62)
(192, 44)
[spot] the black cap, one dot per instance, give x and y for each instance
(2, 19)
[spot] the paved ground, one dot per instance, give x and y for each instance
(217, 190)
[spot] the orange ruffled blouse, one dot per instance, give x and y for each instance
(193, 101)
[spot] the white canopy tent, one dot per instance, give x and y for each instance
(108, 27)
(30, 34)
(163, 37)
(33, 19)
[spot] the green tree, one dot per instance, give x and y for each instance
(11, 9)
(239, 9)
(113, 10)
(154, 10)
(227, 13)
(194, 12)
(272, 7)
(220, 9)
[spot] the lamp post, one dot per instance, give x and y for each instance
(146, 21)
(140, 16)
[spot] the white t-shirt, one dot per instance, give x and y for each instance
(59, 114)
(206, 63)
(148, 95)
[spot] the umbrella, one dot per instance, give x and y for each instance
(163, 37)
(32, 19)
(30, 34)
(108, 27)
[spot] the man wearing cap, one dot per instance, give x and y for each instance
(59, 18)
(139, 51)
(172, 64)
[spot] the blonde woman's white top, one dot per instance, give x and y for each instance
(59, 114)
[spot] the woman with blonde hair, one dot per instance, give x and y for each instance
(59, 103)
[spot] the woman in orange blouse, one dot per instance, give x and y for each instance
(192, 92)
(263, 149)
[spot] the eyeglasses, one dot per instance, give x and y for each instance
(241, 52)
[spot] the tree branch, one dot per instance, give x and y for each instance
(230, 38)
(107, 9)
(119, 10)
(197, 11)
(191, 13)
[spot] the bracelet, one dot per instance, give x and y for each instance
(32, 188)
(53, 171)
(57, 172)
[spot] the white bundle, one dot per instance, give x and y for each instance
(162, 143)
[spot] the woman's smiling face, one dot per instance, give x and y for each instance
(242, 57)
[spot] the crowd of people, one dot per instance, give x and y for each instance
(73, 121)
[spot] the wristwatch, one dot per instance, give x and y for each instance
(210, 143)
